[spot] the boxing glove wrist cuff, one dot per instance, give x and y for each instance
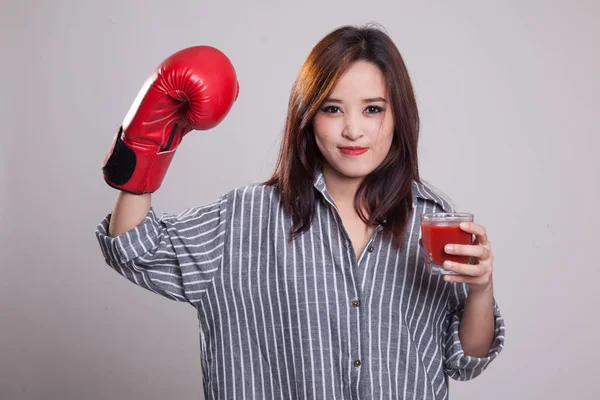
(135, 169)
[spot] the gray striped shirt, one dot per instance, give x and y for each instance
(303, 319)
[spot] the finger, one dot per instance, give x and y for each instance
(468, 250)
(474, 270)
(462, 279)
(477, 230)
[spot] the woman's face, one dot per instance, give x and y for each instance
(354, 127)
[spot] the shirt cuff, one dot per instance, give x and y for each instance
(131, 244)
(462, 367)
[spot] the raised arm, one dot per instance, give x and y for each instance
(193, 89)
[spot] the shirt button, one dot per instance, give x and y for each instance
(357, 363)
(355, 303)
(371, 249)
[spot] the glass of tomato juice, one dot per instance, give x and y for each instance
(438, 230)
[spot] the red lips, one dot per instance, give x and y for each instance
(353, 150)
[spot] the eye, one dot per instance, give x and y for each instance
(330, 109)
(374, 109)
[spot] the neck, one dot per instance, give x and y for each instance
(341, 188)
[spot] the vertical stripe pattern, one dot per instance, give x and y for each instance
(305, 319)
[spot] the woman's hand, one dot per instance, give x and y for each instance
(478, 273)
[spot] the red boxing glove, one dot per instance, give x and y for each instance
(193, 89)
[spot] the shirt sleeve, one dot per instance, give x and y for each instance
(456, 364)
(175, 256)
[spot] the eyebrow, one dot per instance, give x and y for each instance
(368, 100)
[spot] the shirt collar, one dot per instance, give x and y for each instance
(319, 184)
(420, 190)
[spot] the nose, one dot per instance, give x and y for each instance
(352, 129)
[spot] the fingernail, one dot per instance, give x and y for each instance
(449, 248)
(464, 225)
(448, 264)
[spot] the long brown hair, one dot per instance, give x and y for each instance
(386, 193)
